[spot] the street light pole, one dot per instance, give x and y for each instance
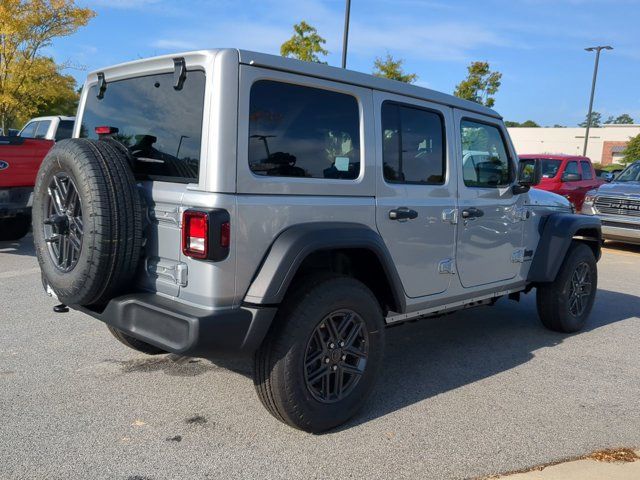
(345, 36)
(593, 91)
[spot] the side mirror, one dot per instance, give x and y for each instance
(571, 177)
(529, 175)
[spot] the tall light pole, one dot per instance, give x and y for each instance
(345, 35)
(593, 91)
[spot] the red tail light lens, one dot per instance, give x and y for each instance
(195, 234)
(106, 130)
(225, 235)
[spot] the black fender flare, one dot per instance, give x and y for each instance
(294, 244)
(557, 231)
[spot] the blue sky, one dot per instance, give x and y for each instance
(538, 45)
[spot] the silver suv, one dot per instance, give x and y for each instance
(229, 202)
(617, 204)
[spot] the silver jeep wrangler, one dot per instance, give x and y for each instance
(230, 202)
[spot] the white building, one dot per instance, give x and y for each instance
(605, 143)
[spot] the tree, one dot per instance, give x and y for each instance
(632, 150)
(388, 67)
(30, 82)
(596, 120)
(526, 123)
(624, 119)
(480, 85)
(305, 44)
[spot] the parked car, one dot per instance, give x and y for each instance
(20, 158)
(567, 175)
(294, 210)
(48, 128)
(617, 204)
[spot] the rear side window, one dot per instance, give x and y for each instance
(160, 126)
(43, 128)
(298, 131)
(413, 145)
(485, 162)
(586, 171)
(65, 129)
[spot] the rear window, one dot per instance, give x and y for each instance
(43, 128)
(160, 126)
(586, 171)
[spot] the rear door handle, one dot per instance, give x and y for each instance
(403, 213)
(472, 212)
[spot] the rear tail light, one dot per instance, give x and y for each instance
(106, 130)
(206, 235)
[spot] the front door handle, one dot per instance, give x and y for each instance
(472, 212)
(403, 213)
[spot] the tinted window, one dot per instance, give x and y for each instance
(550, 167)
(485, 162)
(29, 131)
(43, 128)
(297, 131)
(586, 171)
(571, 168)
(159, 125)
(65, 129)
(412, 140)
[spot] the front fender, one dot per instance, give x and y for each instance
(557, 231)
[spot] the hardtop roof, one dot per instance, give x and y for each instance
(307, 68)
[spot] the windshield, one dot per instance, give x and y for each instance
(160, 126)
(631, 174)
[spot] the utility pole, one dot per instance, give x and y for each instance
(345, 36)
(593, 91)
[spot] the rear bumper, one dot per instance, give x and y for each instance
(15, 201)
(186, 330)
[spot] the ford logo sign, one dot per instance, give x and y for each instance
(3, 165)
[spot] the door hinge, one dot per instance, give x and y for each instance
(175, 272)
(450, 215)
(447, 266)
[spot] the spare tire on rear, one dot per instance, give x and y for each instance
(87, 221)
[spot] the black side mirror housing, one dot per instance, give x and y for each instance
(571, 177)
(529, 175)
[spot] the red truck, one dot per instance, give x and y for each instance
(567, 175)
(20, 159)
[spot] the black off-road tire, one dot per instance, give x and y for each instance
(14, 228)
(554, 298)
(279, 364)
(112, 216)
(134, 343)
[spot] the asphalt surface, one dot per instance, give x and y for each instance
(472, 394)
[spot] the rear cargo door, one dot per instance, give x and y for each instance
(161, 127)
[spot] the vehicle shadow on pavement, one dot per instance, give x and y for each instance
(622, 247)
(24, 246)
(430, 357)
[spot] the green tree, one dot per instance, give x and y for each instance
(305, 44)
(30, 82)
(388, 67)
(510, 124)
(596, 120)
(632, 150)
(480, 85)
(624, 119)
(530, 124)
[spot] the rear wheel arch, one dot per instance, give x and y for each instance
(345, 249)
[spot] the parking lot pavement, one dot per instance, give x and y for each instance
(471, 394)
